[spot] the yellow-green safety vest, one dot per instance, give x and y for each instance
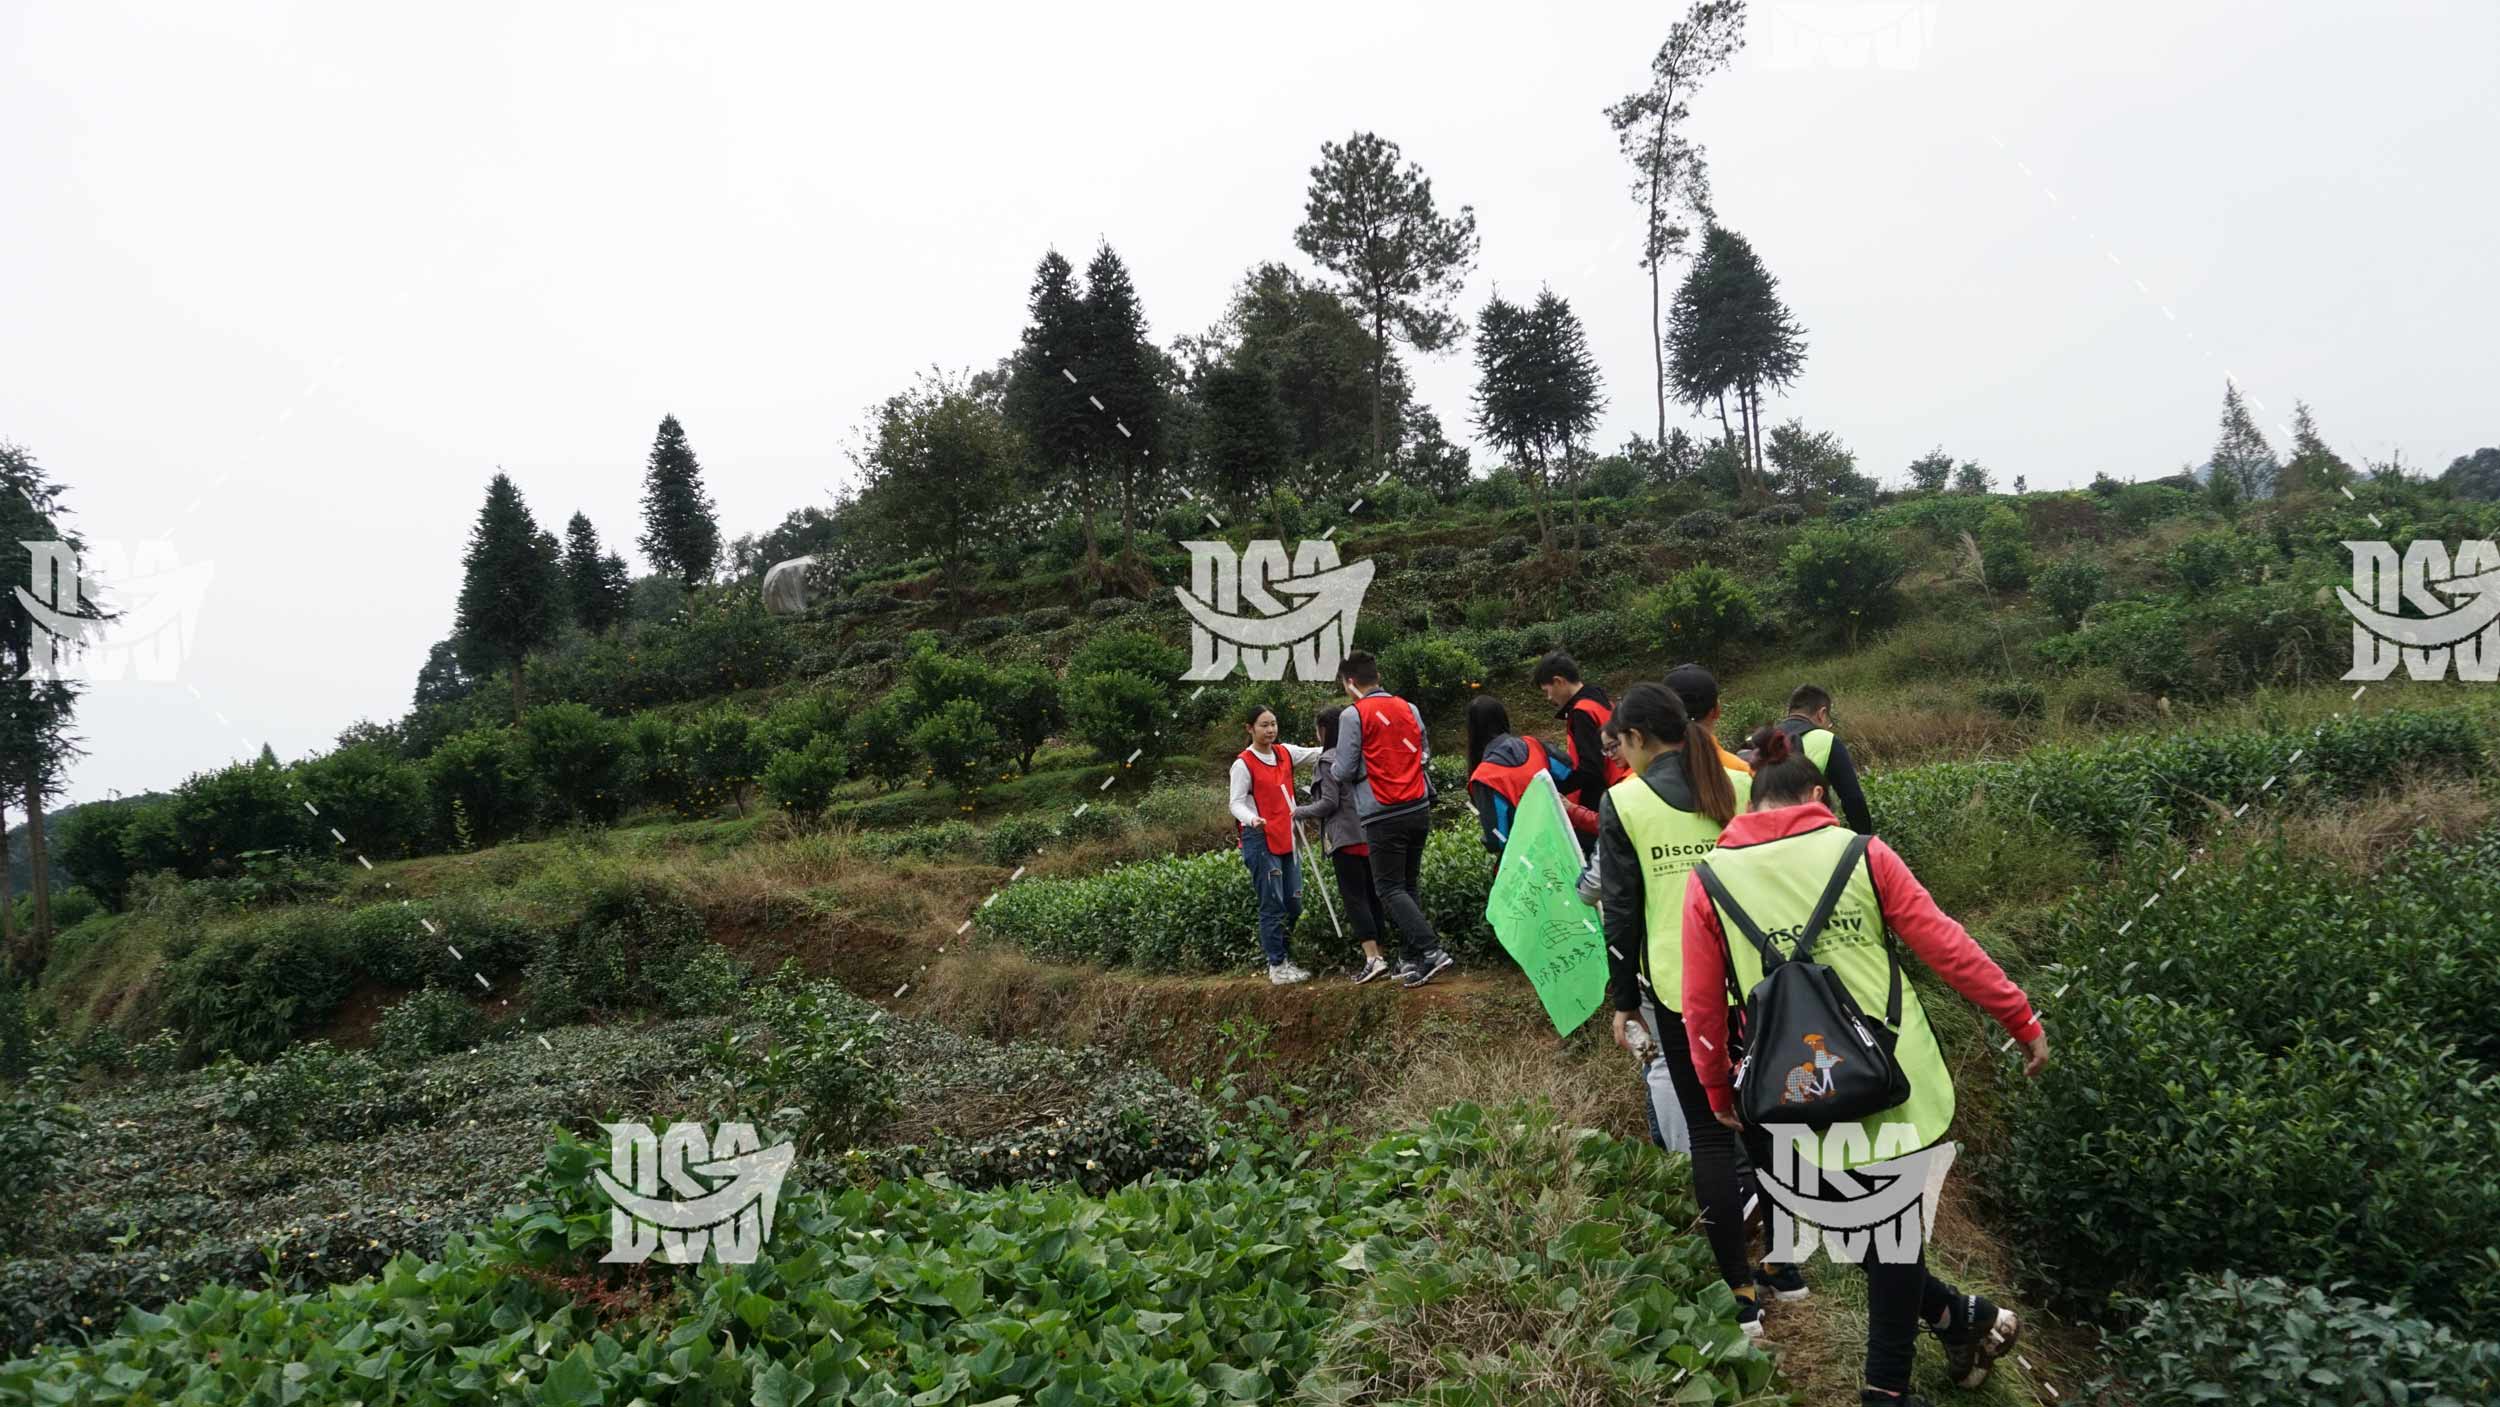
(1816, 743)
(1669, 843)
(1776, 883)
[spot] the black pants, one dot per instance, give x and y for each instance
(1897, 1298)
(1717, 1185)
(1363, 918)
(1397, 863)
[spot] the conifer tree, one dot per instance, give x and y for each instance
(1045, 397)
(1123, 371)
(2241, 450)
(596, 596)
(1729, 334)
(680, 534)
(2314, 468)
(511, 589)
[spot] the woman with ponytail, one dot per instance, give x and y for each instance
(1771, 866)
(1654, 825)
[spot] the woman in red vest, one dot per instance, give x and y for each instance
(1501, 764)
(1262, 806)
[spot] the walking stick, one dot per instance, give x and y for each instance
(1325, 902)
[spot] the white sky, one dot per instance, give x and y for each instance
(285, 284)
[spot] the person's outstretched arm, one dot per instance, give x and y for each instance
(1843, 776)
(1944, 945)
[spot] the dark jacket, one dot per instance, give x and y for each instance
(1621, 877)
(1841, 777)
(1586, 783)
(1493, 810)
(1332, 805)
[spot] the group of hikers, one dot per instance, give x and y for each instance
(1738, 910)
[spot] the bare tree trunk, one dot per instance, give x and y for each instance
(1380, 370)
(1753, 431)
(8, 900)
(517, 666)
(1657, 332)
(38, 863)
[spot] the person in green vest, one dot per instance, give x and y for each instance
(1809, 726)
(1651, 827)
(1773, 863)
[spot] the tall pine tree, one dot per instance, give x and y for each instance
(36, 744)
(1671, 175)
(1728, 333)
(2313, 468)
(1372, 222)
(2241, 451)
(680, 535)
(1123, 371)
(511, 589)
(1537, 390)
(1243, 444)
(596, 596)
(1045, 396)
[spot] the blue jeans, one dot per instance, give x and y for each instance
(1278, 880)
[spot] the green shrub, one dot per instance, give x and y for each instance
(1016, 839)
(801, 719)
(38, 1130)
(1096, 821)
(822, 1060)
(1486, 612)
(1118, 712)
(1042, 620)
(1845, 578)
(706, 980)
(481, 787)
(801, 781)
(218, 816)
(2004, 549)
(960, 743)
(426, 1024)
(654, 764)
(880, 742)
(577, 759)
(1028, 711)
(2071, 587)
(2146, 642)
(620, 955)
(303, 1085)
(1135, 651)
(252, 990)
(1699, 612)
(1507, 549)
(2210, 560)
(1430, 672)
(2266, 1342)
(723, 756)
(1703, 524)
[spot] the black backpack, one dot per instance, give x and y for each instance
(1812, 1056)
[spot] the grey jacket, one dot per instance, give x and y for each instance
(1332, 805)
(1348, 764)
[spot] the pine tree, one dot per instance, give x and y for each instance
(1374, 225)
(2241, 451)
(1243, 444)
(268, 758)
(1122, 371)
(1045, 397)
(2314, 468)
(1537, 389)
(1320, 355)
(1670, 169)
(680, 535)
(595, 598)
(511, 589)
(1728, 333)
(36, 744)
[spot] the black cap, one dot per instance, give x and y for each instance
(1695, 686)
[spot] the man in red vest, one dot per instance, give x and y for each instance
(1381, 752)
(1583, 709)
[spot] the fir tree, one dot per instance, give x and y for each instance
(1243, 444)
(2313, 467)
(596, 597)
(680, 535)
(1045, 397)
(511, 589)
(2241, 451)
(1729, 334)
(1373, 223)
(1537, 389)
(1123, 371)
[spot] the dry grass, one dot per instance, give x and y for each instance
(2358, 838)
(1588, 1081)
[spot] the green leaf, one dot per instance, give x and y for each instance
(777, 1386)
(573, 1382)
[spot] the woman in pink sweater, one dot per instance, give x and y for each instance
(1773, 862)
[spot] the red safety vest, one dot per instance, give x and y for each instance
(1271, 790)
(1599, 714)
(1512, 782)
(1393, 749)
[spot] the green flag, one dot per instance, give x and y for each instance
(1535, 909)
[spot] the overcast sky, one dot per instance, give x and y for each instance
(285, 284)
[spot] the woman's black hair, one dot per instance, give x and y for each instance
(1327, 724)
(1659, 715)
(1487, 719)
(1251, 720)
(1782, 774)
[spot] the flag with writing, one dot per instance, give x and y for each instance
(1535, 909)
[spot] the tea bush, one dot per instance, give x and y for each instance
(2071, 587)
(1699, 612)
(1014, 840)
(252, 990)
(1433, 673)
(303, 1084)
(1118, 712)
(2266, 1342)
(426, 1024)
(632, 940)
(38, 1127)
(946, 840)
(1845, 579)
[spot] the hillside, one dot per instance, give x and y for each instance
(935, 879)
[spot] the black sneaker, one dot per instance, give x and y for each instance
(1749, 1311)
(1877, 1397)
(1980, 1335)
(1372, 967)
(1783, 1281)
(1432, 965)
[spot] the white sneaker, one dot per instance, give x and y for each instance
(1285, 974)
